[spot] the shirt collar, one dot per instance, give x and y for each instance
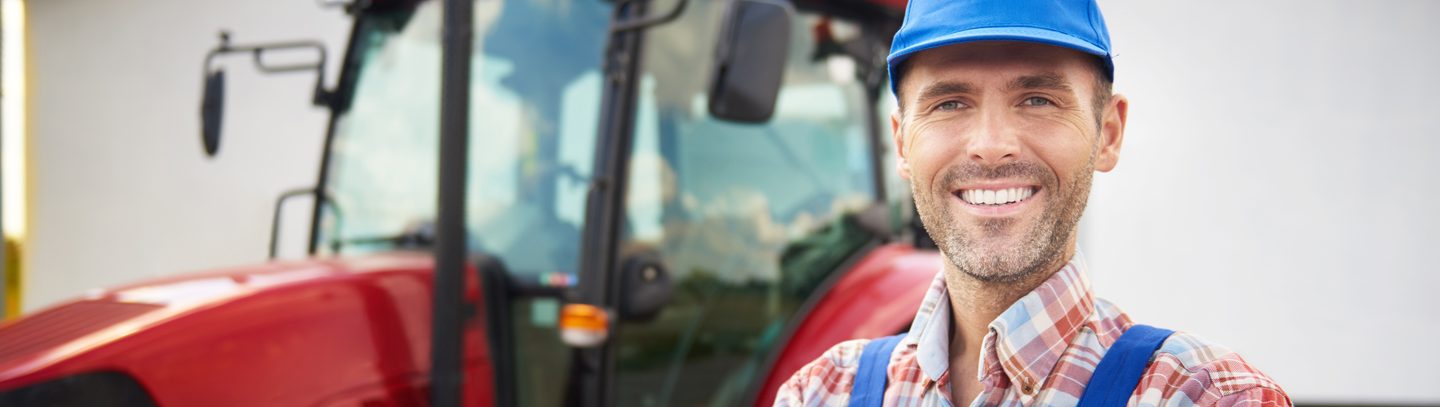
(930, 333)
(1025, 341)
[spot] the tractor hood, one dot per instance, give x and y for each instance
(312, 332)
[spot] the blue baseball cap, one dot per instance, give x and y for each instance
(1073, 24)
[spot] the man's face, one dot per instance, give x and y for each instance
(999, 141)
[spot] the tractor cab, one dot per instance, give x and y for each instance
(736, 223)
(693, 181)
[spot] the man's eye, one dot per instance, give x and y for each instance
(1037, 101)
(951, 105)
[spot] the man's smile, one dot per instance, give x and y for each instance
(997, 199)
(996, 196)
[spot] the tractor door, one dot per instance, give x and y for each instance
(536, 85)
(748, 219)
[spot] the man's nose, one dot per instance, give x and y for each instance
(994, 141)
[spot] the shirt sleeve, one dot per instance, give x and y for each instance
(1255, 397)
(792, 393)
(825, 380)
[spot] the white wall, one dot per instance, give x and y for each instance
(121, 188)
(1274, 193)
(1278, 185)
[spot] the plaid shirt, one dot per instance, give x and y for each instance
(1039, 352)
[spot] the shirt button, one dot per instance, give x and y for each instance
(1028, 389)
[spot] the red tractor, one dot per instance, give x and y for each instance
(634, 203)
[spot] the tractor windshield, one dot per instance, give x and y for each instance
(749, 219)
(534, 94)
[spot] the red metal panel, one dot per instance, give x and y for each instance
(333, 333)
(878, 297)
(26, 337)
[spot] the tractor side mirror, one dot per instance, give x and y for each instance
(645, 288)
(750, 60)
(212, 104)
(212, 108)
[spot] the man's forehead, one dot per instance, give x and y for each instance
(995, 61)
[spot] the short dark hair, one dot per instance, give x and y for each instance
(1102, 87)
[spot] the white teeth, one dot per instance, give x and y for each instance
(996, 197)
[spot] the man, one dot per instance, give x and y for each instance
(1005, 112)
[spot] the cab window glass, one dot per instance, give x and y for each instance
(898, 195)
(535, 90)
(748, 218)
(534, 109)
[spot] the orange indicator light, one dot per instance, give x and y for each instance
(584, 325)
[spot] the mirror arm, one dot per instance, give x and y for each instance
(646, 22)
(321, 97)
(351, 6)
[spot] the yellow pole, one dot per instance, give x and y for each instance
(13, 148)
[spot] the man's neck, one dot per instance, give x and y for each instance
(973, 305)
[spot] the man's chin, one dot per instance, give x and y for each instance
(996, 269)
(999, 258)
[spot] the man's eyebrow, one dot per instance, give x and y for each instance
(1048, 80)
(941, 89)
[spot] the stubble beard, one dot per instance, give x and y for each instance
(974, 253)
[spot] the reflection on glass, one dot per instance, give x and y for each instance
(535, 92)
(534, 109)
(748, 218)
(897, 190)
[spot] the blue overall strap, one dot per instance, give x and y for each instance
(1119, 371)
(868, 390)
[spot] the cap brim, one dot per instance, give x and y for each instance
(1021, 34)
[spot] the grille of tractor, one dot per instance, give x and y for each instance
(66, 323)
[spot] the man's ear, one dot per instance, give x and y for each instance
(901, 165)
(1112, 132)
